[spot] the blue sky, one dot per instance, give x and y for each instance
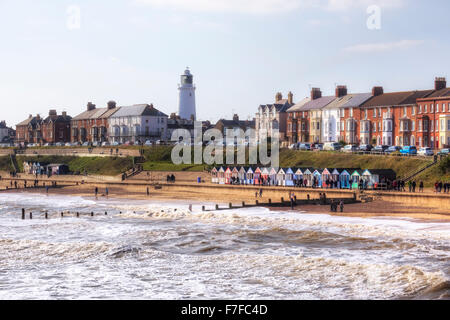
(240, 52)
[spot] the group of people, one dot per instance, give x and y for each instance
(334, 206)
(440, 187)
(170, 178)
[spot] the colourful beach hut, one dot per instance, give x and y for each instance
(214, 178)
(308, 176)
(234, 174)
(273, 176)
(356, 177)
(335, 177)
(298, 176)
(265, 172)
(242, 175)
(326, 176)
(221, 175)
(257, 176)
(317, 178)
(289, 178)
(280, 177)
(249, 176)
(228, 174)
(344, 179)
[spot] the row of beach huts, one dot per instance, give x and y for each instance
(336, 178)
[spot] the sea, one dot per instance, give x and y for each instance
(162, 250)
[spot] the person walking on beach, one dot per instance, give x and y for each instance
(292, 202)
(148, 191)
(421, 186)
(46, 189)
(96, 192)
(260, 192)
(341, 205)
(106, 191)
(256, 194)
(332, 206)
(414, 186)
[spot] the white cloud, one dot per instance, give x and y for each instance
(265, 6)
(383, 47)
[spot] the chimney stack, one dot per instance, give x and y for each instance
(64, 114)
(90, 106)
(290, 98)
(235, 117)
(440, 83)
(278, 96)
(341, 91)
(111, 105)
(38, 117)
(377, 91)
(30, 116)
(316, 93)
(52, 113)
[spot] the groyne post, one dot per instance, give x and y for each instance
(257, 202)
(92, 214)
(270, 201)
(62, 214)
(31, 215)
(230, 205)
(78, 214)
(46, 214)
(23, 214)
(203, 208)
(217, 207)
(243, 204)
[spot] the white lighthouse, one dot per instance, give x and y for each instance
(186, 107)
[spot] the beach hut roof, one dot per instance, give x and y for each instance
(319, 171)
(326, 171)
(299, 171)
(265, 171)
(335, 171)
(228, 169)
(273, 170)
(357, 173)
(258, 170)
(250, 170)
(214, 169)
(235, 169)
(344, 172)
(289, 171)
(307, 171)
(221, 169)
(243, 169)
(281, 171)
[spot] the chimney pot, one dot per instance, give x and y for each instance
(235, 117)
(90, 106)
(440, 83)
(341, 91)
(278, 97)
(111, 104)
(316, 93)
(377, 91)
(290, 98)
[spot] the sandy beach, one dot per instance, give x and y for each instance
(377, 208)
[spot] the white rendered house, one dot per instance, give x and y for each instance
(137, 123)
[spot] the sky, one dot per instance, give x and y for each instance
(62, 54)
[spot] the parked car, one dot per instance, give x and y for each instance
(148, 143)
(105, 144)
(76, 144)
(350, 148)
(68, 144)
(59, 144)
(115, 144)
(379, 149)
(425, 152)
(393, 149)
(318, 146)
(86, 144)
(332, 146)
(444, 152)
(305, 146)
(410, 150)
(365, 147)
(293, 146)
